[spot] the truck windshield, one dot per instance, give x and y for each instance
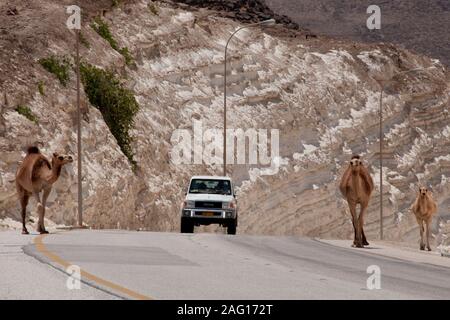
(210, 186)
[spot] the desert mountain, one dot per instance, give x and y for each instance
(421, 26)
(166, 58)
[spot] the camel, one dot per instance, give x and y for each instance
(424, 209)
(357, 186)
(36, 174)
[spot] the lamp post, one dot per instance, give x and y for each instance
(382, 86)
(79, 151)
(262, 23)
(74, 23)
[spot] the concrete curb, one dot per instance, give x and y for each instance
(390, 251)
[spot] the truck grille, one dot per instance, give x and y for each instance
(208, 204)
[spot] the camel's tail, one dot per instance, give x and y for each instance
(33, 149)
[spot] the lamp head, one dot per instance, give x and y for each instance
(269, 22)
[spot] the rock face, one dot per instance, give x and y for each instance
(418, 25)
(242, 10)
(321, 94)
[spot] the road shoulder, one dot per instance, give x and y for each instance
(393, 250)
(24, 277)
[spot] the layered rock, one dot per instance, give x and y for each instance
(415, 24)
(242, 10)
(322, 96)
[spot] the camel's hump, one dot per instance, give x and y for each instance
(33, 149)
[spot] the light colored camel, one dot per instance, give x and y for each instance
(36, 174)
(424, 209)
(357, 186)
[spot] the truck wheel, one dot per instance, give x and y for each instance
(187, 226)
(231, 229)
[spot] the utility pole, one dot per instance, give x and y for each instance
(381, 161)
(79, 151)
(74, 23)
(264, 23)
(382, 86)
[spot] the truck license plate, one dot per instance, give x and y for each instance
(208, 214)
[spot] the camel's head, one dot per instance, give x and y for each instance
(355, 164)
(61, 159)
(423, 191)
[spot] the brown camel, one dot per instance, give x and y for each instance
(424, 209)
(34, 175)
(357, 186)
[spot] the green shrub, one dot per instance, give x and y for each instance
(153, 9)
(84, 41)
(102, 28)
(58, 66)
(41, 88)
(116, 103)
(127, 55)
(26, 112)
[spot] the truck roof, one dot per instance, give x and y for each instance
(211, 177)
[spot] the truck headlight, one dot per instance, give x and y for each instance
(186, 213)
(229, 205)
(188, 204)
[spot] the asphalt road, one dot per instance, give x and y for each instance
(24, 277)
(214, 266)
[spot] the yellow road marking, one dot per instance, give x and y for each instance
(40, 246)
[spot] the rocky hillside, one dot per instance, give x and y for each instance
(322, 95)
(241, 10)
(417, 25)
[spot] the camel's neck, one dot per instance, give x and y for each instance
(55, 172)
(422, 202)
(356, 183)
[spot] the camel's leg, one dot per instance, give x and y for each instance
(421, 229)
(40, 210)
(428, 230)
(24, 197)
(361, 223)
(364, 240)
(352, 212)
(357, 239)
(44, 202)
(360, 242)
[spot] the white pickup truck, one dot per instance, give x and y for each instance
(209, 200)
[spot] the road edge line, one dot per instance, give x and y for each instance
(384, 255)
(41, 248)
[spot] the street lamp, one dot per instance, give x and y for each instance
(261, 23)
(79, 168)
(74, 23)
(382, 86)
